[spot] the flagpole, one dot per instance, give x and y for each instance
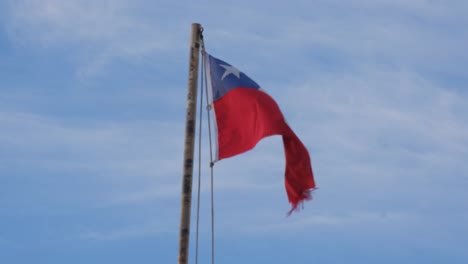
(186, 199)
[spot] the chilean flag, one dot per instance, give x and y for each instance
(244, 115)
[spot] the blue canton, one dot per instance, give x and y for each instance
(223, 81)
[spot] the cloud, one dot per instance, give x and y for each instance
(129, 232)
(100, 33)
(338, 36)
(55, 22)
(97, 31)
(376, 107)
(355, 219)
(381, 135)
(91, 145)
(118, 159)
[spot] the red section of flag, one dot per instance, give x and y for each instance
(244, 116)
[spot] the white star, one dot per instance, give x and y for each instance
(230, 70)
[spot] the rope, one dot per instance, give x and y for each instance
(208, 108)
(202, 82)
(204, 85)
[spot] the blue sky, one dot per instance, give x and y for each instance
(92, 108)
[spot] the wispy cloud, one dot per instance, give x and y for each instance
(115, 146)
(126, 157)
(356, 219)
(128, 232)
(378, 98)
(98, 31)
(103, 31)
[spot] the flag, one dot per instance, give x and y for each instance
(244, 114)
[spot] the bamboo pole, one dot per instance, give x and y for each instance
(186, 200)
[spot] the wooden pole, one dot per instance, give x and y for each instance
(186, 201)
